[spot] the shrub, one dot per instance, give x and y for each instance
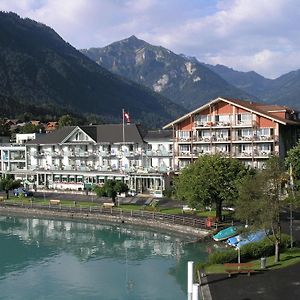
(221, 257)
(250, 251)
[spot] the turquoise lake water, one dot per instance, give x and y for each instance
(53, 259)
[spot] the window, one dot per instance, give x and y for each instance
(247, 132)
(184, 134)
(244, 118)
(204, 118)
(264, 131)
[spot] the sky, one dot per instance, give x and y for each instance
(258, 35)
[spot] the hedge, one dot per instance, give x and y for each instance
(250, 251)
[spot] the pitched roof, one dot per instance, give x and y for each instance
(107, 133)
(262, 109)
(158, 135)
(54, 137)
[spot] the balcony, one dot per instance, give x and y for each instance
(160, 153)
(254, 153)
(209, 139)
(37, 154)
(257, 138)
(57, 154)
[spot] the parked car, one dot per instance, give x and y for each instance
(22, 191)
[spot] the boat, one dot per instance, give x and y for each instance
(234, 240)
(225, 233)
(251, 238)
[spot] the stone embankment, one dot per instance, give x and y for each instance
(193, 231)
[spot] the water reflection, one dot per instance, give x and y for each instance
(113, 253)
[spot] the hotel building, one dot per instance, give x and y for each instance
(76, 157)
(249, 131)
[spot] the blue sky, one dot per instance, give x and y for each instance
(259, 35)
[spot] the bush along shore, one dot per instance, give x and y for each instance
(252, 252)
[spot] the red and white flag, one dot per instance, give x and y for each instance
(126, 117)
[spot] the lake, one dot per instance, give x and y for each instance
(56, 259)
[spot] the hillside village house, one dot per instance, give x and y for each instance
(76, 157)
(245, 130)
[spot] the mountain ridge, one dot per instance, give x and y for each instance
(37, 67)
(182, 79)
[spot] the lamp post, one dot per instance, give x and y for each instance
(291, 205)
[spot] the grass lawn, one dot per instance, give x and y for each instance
(41, 201)
(125, 207)
(288, 258)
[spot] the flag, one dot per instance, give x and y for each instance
(126, 117)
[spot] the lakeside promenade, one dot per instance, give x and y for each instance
(266, 285)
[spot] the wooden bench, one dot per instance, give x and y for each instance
(236, 268)
(54, 202)
(108, 204)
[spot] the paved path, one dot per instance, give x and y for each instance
(267, 285)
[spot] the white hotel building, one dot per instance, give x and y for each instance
(76, 157)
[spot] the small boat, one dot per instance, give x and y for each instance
(251, 238)
(234, 240)
(225, 233)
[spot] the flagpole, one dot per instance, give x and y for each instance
(123, 114)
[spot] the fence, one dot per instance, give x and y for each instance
(118, 212)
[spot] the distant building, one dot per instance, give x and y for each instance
(51, 126)
(249, 131)
(35, 122)
(22, 138)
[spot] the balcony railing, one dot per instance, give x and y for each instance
(159, 153)
(255, 153)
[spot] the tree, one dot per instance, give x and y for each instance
(8, 183)
(66, 120)
(210, 180)
(4, 128)
(31, 128)
(261, 198)
(293, 160)
(111, 188)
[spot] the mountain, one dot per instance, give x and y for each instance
(250, 82)
(182, 79)
(39, 69)
(283, 90)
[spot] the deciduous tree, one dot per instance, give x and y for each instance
(261, 198)
(111, 188)
(7, 184)
(210, 180)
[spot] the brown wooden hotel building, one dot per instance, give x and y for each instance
(249, 131)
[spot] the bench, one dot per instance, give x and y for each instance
(186, 208)
(54, 202)
(108, 204)
(236, 268)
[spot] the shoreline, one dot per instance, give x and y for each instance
(84, 217)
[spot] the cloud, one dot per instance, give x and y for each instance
(245, 34)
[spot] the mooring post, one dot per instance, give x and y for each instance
(190, 280)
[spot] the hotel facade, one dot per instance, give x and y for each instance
(248, 131)
(77, 157)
